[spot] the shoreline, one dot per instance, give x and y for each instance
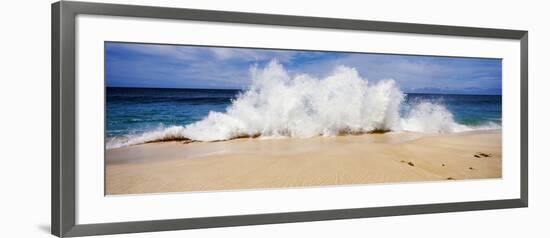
(262, 163)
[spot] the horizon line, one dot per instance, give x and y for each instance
(245, 89)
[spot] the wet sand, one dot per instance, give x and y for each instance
(321, 161)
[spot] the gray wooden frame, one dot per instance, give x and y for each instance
(63, 118)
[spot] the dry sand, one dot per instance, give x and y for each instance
(278, 163)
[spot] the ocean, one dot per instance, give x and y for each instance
(137, 115)
(132, 111)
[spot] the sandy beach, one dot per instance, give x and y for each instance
(288, 162)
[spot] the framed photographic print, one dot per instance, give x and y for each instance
(167, 118)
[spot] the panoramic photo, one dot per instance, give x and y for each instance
(183, 118)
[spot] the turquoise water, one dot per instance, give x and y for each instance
(133, 111)
(137, 110)
(470, 110)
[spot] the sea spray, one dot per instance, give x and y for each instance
(431, 118)
(303, 106)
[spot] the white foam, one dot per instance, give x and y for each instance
(278, 104)
(431, 118)
(303, 106)
(169, 133)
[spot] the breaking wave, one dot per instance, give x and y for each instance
(280, 105)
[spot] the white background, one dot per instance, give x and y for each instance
(25, 119)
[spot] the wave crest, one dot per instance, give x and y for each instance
(303, 106)
(162, 134)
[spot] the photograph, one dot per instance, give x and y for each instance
(197, 118)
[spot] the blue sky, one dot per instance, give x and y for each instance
(174, 66)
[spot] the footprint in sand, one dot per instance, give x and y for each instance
(480, 155)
